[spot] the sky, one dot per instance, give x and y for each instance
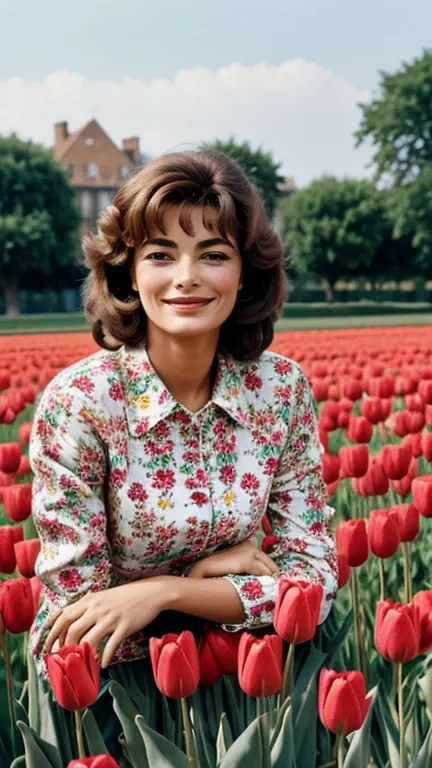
(286, 75)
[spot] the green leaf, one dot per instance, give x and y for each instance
(19, 762)
(247, 750)
(224, 738)
(282, 753)
(388, 728)
(305, 720)
(423, 758)
(126, 713)
(38, 753)
(359, 750)
(93, 735)
(425, 684)
(159, 751)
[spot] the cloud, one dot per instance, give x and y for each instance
(301, 112)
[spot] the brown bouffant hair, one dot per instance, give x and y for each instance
(207, 179)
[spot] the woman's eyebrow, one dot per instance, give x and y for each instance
(164, 242)
(214, 241)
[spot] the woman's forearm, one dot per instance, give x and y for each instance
(212, 599)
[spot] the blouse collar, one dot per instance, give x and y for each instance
(149, 401)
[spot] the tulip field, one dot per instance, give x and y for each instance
(355, 691)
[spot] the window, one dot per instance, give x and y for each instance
(104, 199)
(92, 170)
(89, 142)
(86, 204)
(124, 172)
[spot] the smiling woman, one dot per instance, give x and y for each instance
(156, 459)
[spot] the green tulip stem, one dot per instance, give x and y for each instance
(286, 683)
(358, 629)
(263, 713)
(340, 748)
(9, 689)
(381, 578)
(407, 572)
(79, 734)
(189, 739)
(401, 718)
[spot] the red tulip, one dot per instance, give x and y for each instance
(100, 761)
(375, 482)
(17, 501)
(24, 433)
(354, 460)
(422, 494)
(351, 388)
(36, 588)
(329, 415)
(359, 430)
(9, 536)
(74, 676)
(425, 391)
(24, 466)
(10, 455)
(383, 532)
(218, 654)
(352, 541)
(5, 481)
(396, 460)
(332, 488)
(381, 386)
(344, 570)
(319, 389)
(423, 601)
(375, 409)
(408, 422)
(16, 605)
(426, 445)
(26, 553)
(415, 443)
(414, 402)
(330, 467)
(297, 610)
(397, 630)
(342, 702)
(260, 664)
(409, 521)
(175, 664)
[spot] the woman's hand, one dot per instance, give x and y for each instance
(116, 613)
(242, 558)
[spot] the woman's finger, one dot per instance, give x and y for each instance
(97, 633)
(259, 569)
(268, 562)
(78, 628)
(113, 643)
(67, 617)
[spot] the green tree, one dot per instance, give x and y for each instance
(38, 217)
(332, 228)
(258, 166)
(398, 123)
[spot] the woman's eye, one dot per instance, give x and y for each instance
(216, 256)
(156, 256)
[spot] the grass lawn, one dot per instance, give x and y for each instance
(332, 317)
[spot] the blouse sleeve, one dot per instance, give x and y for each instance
(68, 461)
(299, 517)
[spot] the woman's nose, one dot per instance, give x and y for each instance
(187, 273)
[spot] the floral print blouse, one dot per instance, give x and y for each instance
(128, 483)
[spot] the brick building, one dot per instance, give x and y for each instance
(96, 165)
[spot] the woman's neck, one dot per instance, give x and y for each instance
(186, 367)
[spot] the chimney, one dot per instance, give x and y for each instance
(131, 148)
(60, 133)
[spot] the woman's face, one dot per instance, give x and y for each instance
(174, 267)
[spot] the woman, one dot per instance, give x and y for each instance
(156, 458)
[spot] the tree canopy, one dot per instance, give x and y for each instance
(258, 166)
(333, 228)
(38, 217)
(398, 123)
